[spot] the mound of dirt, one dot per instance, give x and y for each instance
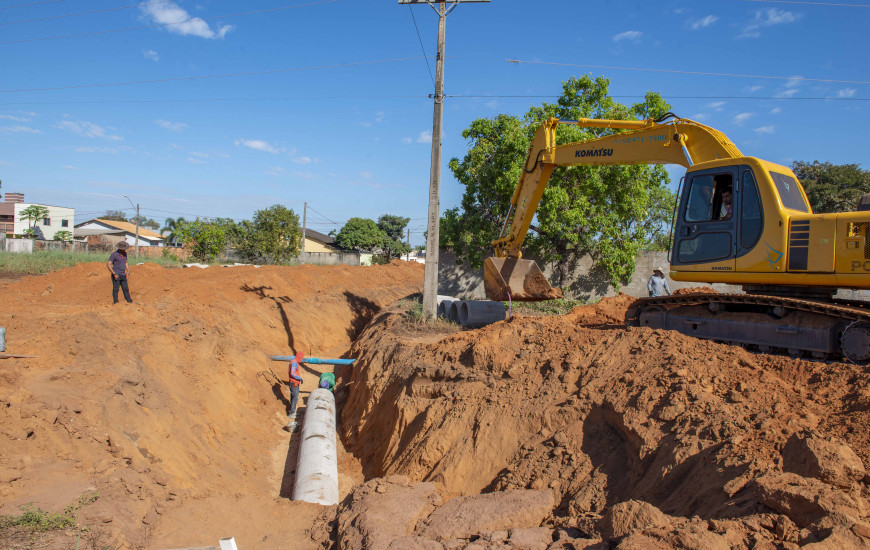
(599, 415)
(157, 406)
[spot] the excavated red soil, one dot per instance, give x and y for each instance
(158, 406)
(747, 448)
(534, 433)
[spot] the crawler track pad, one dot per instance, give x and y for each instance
(518, 280)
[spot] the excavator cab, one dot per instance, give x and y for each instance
(514, 279)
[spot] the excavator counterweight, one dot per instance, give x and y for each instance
(517, 280)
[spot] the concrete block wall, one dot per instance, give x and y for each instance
(586, 282)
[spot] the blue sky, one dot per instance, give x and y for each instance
(328, 103)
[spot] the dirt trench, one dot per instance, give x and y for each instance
(535, 433)
(158, 407)
(605, 436)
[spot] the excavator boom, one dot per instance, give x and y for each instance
(678, 141)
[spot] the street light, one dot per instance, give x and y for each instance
(136, 249)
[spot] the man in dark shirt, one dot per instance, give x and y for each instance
(119, 269)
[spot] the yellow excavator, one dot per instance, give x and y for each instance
(738, 220)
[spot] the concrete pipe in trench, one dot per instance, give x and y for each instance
(317, 467)
(478, 313)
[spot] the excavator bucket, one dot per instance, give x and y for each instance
(517, 280)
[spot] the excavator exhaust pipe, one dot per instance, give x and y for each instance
(517, 280)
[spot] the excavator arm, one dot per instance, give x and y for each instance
(676, 141)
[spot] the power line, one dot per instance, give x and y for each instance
(332, 98)
(183, 78)
(793, 78)
(324, 217)
(33, 4)
(84, 13)
(421, 44)
(157, 25)
(810, 3)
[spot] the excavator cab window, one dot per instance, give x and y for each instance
(722, 200)
(700, 206)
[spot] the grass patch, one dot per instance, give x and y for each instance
(45, 261)
(411, 309)
(547, 307)
(37, 520)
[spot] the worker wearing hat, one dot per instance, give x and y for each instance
(658, 284)
(295, 379)
(120, 270)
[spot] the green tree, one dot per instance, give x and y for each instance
(172, 226)
(274, 234)
(144, 222)
(33, 214)
(832, 187)
(114, 215)
(63, 236)
(360, 234)
(393, 227)
(204, 238)
(607, 212)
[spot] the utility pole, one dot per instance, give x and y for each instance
(304, 213)
(136, 249)
(430, 273)
(408, 239)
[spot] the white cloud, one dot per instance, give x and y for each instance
(379, 116)
(700, 117)
(193, 160)
(69, 167)
(787, 93)
(302, 160)
(407, 140)
(259, 145)
(178, 21)
(765, 129)
(151, 54)
(92, 149)
(14, 118)
(425, 137)
(697, 24)
(633, 36)
(754, 88)
(846, 92)
(767, 18)
(716, 105)
(775, 111)
(20, 130)
(274, 171)
(87, 129)
(741, 118)
(794, 82)
(173, 126)
(200, 155)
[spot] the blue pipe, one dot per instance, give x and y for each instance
(313, 360)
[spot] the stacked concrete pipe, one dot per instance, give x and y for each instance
(317, 467)
(444, 306)
(478, 313)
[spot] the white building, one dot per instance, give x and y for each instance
(59, 218)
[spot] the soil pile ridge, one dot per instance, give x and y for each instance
(746, 444)
(157, 405)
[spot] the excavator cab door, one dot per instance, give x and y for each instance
(706, 228)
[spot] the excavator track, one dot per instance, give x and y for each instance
(822, 328)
